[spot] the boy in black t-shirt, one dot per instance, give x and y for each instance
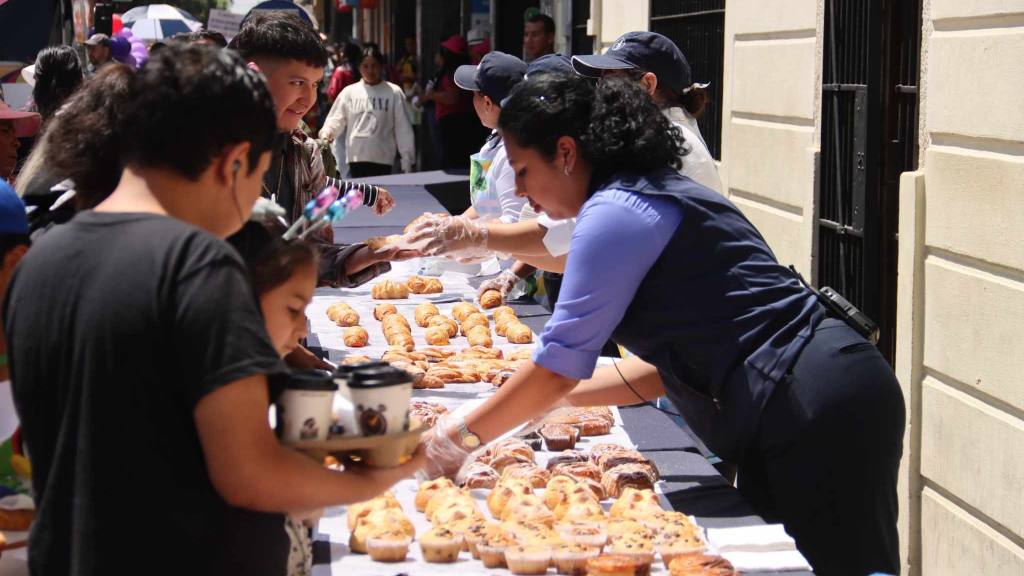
(139, 358)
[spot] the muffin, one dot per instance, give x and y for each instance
(636, 545)
(591, 534)
(701, 565)
(492, 550)
(617, 565)
(388, 546)
(572, 559)
(670, 549)
(477, 533)
(559, 437)
(528, 559)
(440, 545)
(427, 490)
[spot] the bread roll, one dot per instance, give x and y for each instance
(490, 299)
(390, 290)
(424, 312)
(463, 309)
(518, 333)
(382, 310)
(437, 336)
(355, 336)
(479, 336)
(474, 319)
(450, 325)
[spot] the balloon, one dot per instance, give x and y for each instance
(118, 24)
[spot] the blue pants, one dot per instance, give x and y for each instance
(826, 456)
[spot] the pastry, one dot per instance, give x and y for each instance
(587, 533)
(400, 339)
(382, 310)
(558, 437)
(567, 457)
(479, 336)
(571, 558)
(388, 546)
(422, 218)
(556, 490)
(518, 333)
(392, 320)
(450, 376)
(455, 510)
(377, 523)
(478, 532)
(479, 353)
(432, 286)
(616, 480)
(463, 309)
(636, 545)
(424, 312)
(436, 354)
(612, 459)
(416, 284)
(427, 412)
(528, 559)
(498, 375)
(492, 549)
(440, 545)
(490, 299)
(436, 336)
(701, 565)
(356, 359)
(473, 319)
(342, 314)
(685, 545)
(450, 325)
(480, 475)
(428, 489)
(578, 470)
(537, 477)
(600, 449)
(428, 382)
(355, 336)
(510, 446)
(501, 324)
(400, 354)
(525, 354)
(503, 312)
(503, 492)
(528, 510)
(634, 503)
(617, 565)
(378, 243)
(360, 510)
(390, 290)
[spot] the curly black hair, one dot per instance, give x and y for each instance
(58, 74)
(190, 101)
(616, 125)
(270, 260)
(280, 35)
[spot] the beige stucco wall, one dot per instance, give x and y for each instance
(961, 295)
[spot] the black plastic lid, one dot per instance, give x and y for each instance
(346, 370)
(316, 380)
(378, 376)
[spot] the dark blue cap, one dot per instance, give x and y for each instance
(647, 51)
(549, 63)
(495, 75)
(13, 220)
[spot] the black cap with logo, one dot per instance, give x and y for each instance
(495, 75)
(648, 51)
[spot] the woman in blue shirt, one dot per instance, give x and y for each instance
(806, 408)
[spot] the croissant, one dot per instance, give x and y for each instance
(382, 310)
(401, 339)
(390, 290)
(358, 359)
(394, 320)
(490, 299)
(480, 352)
(451, 376)
(479, 336)
(428, 382)
(346, 318)
(424, 312)
(337, 310)
(448, 323)
(518, 333)
(501, 324)
(436, 354)
(416, 284)
(463, 309)
(433, 286)
(355, 336)
(502, 311)
(474, 319)
(437, 336)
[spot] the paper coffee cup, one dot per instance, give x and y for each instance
(304, 408)
(380, 396)
(343, 410)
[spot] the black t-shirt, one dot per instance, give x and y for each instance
(118, 324)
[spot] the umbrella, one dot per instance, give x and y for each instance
(155, 29)
(156, 12)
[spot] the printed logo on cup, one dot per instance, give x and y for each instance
(372, 422)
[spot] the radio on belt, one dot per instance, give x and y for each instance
(843, 309)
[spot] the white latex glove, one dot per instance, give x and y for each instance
(266, 211)
(444, 455)
(471, 255)
(502, 283)
(447, 234)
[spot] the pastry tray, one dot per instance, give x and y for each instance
(385, 451)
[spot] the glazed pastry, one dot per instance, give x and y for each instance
(355, 336)
(463, 309)
(390, 290)
(617, 565)
(513, 446)
(479, 336)
(577, 470)
(567, 457)
(613, 459)
(436, 336)
(427, 412)
(480, 475)
(490, 299)
(701, 565)
(382, 310)
(474, 319)
(501, 461)
(450, 325)
(616, 480)
(518, 333)
(424, 312)
(536, 476)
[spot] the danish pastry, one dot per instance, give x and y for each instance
(355, 336)
(479, 336)
(463, 309)
(474, 319)
(424, 312)
(450, 325)
(616, 480)
(390, 290)
(490, 299)
(518, 333)
(437, 336)
(382, 310)
(479, 475)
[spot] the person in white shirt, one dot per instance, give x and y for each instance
(370, 115)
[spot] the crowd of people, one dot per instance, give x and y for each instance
(151, 304)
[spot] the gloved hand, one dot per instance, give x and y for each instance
(502, 283)
(445, 454)
(448, 234)
(471, 255)
(267, 211)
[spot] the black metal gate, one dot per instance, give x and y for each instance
(582, 43)
(698, 28)
(868, 138)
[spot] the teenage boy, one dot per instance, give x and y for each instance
(290, 53)
(139, 358)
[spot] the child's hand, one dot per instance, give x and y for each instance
(385, 202)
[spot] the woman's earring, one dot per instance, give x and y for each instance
(567, 171)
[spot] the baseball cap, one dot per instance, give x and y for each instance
(647, 51)
(549, 63)
(13, 220)
(495, 75)
(25, 123)
(98, 40)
